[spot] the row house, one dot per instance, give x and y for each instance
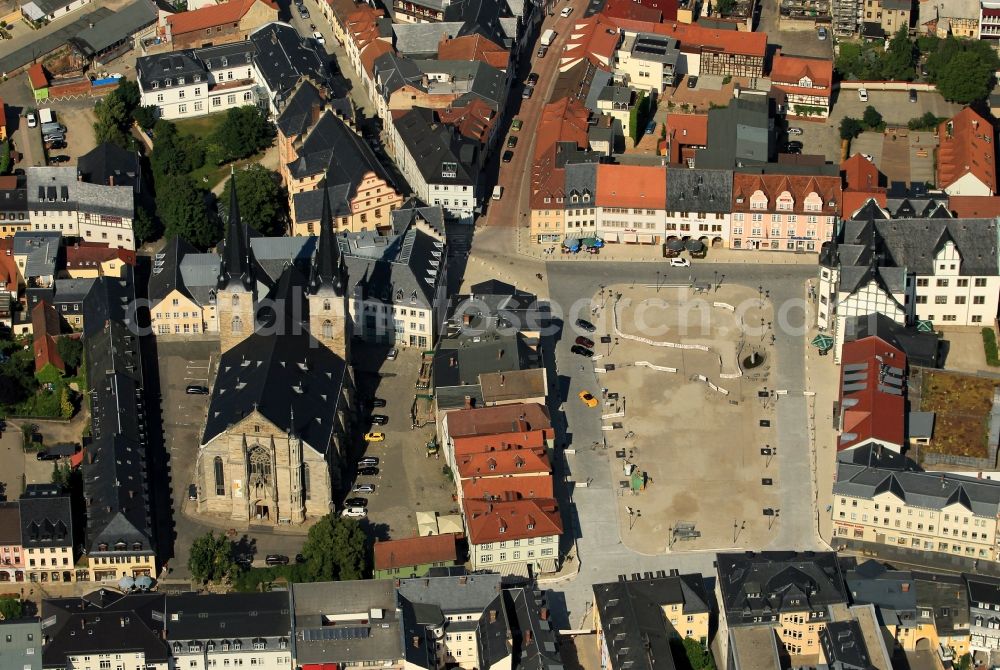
(413, 556)
(989, 20)
(216, 24)
(784, 212)
(957, 18)
(13, 205)
(686, 133)
(595, 39)
(367, 32)
(631, 203)
(698, 206)
(966, 155)
(984, 612)
(647, 61)
(58, 200)
(805, 85)
(872, 408)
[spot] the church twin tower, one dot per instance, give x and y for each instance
(241, 285)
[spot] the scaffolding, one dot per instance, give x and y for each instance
(847, 16)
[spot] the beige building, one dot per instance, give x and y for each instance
(647, 62)
(890, 14)
(46, 529)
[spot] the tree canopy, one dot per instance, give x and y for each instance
(871, 118)
(689, 654)
(335, 549)
(244, 132)
(70, 350)
(262, 202)
(211, 558)
(114, 114)
(962, 69)
(850, 128)
(897, 64)
(182, 210)
(11, 608)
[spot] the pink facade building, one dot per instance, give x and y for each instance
(784, 212)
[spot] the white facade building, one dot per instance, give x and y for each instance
(59, 201)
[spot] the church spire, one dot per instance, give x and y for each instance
(327, 265)
(236, 253)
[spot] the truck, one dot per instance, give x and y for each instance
(548, 37)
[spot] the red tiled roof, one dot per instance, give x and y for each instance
(501, 419)
(688, 128)
(855, 200)
(372, 52)
(628, 9)
(502, 462)
(974, 206)
(594, 38)
(692, 35)
(562, 121)
(478, 444)
(3, 114)
(548, 182)
(474, 48)
(37, 77)
(871, 413)
(8, 268)
(418, 550)
(475, 120)
(799, 186)
(969, 148)
(789, 71)
(860, 174)
(84, 254)
(510, 520)
(639, 186)
(212, 15)
(44, 329)
(499, 489)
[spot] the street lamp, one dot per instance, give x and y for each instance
(737, 529)
(657, 281)
(633, 515)
(771, 519)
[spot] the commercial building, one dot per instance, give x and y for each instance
(182, 290)
(984, 612)
(631, 203)
(13, 206)
(784, 212)
(699, 207)
(414, 556)
(872, 409)
(11, 551)
(47, 539)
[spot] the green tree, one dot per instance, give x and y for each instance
(112, 121)
(10, 608)
(128, 92)
(145, 226)
(871, 118)
(725, 7)
(65, 405)
(965, 78)
(850, 128)
(61, 475)
(244, 132)
(211, 558)
(689, 654)
(70, 350)
(898, 60)
(5, 161)
(17, 378)
(335, 549)
(169, 155)
(262, 202)
(181, 206)
(145, 116)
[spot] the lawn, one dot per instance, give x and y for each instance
(962, 405)
(202, 128)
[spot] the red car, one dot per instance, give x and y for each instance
(585, 342)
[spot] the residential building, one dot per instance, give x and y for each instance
(50, 10)
(45, 328)
(872, 410)
(892, 592)
(47, 534)
(282, 58)
(742, 135)
(958, 18)
(984, 604)
(441, 166)
(631, 203)
(989, 20)
(686, 133)
(21, 644)
(708, 50)
(784, 212)
(966, 156)
(788, 592)
(271, 451)
(805, 85)
(182, 291)
(699, 206)
(862, 182)
(222, 23)
(647, 61)
(105, 40)
(66, 297)
(505, 474)
(119, 536)
(3, 120)
(59, 201)
(414, 556)
(593, 39)
(110, 165)
(11, 550)
(853, 640)
(13, 206)
(942, 615)
(927, 511)
(36, 254)
(514, 537)
(105, 627)
(93, 259)
(891, 15)
(581, 190)
(219, 629)
(487, 429)
(637, 618)
(847, 16)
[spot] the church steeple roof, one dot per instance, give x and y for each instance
(237, 256)
(327, 264)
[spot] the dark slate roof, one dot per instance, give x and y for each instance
(927, 490)
(294, 383)
(115, 463)
(944, 596)
(632, 618)
(922, 349)
(332, 147)
(296, 116)
(107, 163)
(103, 622)
(406, 215)
(441, 154)
(46, 517)
(392, 72)
(404, 270)
(893, 592)
(699, 190)
(742, 135)
(844, 646)
(915, 202)
(283, 56)
(983, 589)
(238, 263)
(165, 275)
(581, 178)
(327, 272)
(767, 584)
(118, 27)
(194, 616)
(525, 608)
(169, 65)
(480, 17)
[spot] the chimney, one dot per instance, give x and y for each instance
(468, 402)
(544, 614)
(906, 587)
(416, 641)
(111, 180)
(493, 617)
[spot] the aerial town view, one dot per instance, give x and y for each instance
(499, 335)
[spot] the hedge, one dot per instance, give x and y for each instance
(990, 345)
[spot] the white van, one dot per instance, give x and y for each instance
(497, 192)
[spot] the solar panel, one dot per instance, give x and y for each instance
(855, 367)
(855, 377)
(850, 388)
(336, 633)
(890, 390)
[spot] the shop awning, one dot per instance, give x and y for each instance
(610, 237)
(822, 342)
(145, 582)
(588, 242)
(571, 242)
(629, 237)
(126, 583)
(645, 239)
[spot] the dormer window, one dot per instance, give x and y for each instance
(586, 197)
(180, 81)
(155, 84)
(225, 61)
(197, 78)
(168, 81)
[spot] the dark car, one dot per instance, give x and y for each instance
(793, 144)
(245, 560)
(532, 79)
(378, 402)
(512, 141)
(692, 81)
(583, 324)
(276, 559)
(56, 144)
(44, 455)
(368, 471)
(299, 558)
(61, 158)
(793, 151)
(542, 50)
(581, 351)
(380, 419)
(585, 342)
(913, 95)
(192, 492)
(356, 502)
(195, 389)
(526, 92)
(507, 157)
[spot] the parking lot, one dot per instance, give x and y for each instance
(712, 478)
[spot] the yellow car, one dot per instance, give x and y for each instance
(374, 437)
(588, 399)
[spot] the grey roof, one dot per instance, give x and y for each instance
(296, 116)
(844, 646)
(944, 597)
(46, 517)
(283, 56)
(469, 78)
(422, 39)
(527, 613)
(104, 622)
(699, 190)
(653, 47)
(402, 269)
(927, 490)
(332, 147)
(602, 81)
(920, 424)
(392, 72)
(373, 634)
(893, 592)
(581, 179)
(118, 27)
(480, 17)
(42, 249)
(169, 66)
(20, 644)
(410, 211)
(983, 589)
(764, 585)
(59, 189)
(920, 348)
(742, 135)
(114, 469)
(15, 199)
(49, 6)
(461, 362)
(165, 275)
(442, 155)
(633, 620)
(194, 616)
(108, 163)
(473, 593)
(222, 56)
(913, 202)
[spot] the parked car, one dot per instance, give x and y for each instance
(680, 263)
(356, 502)
(581, 351)
(794, 131)
(192, 492)
(32, 119)
(380, 419)
(587, 398)
(516, 124)
(245, 560)
(195, 389)
(793, 151)
(532, 79)
(44, 455)
(303, 12)
(354, 512)
(55, 144)
(692, 81)
(391, 356)
(566, 12)
(793, 145)
(54, 137)
(512, 141)
(276, 559)
(363, 488)
(585, 342)
(299, 558)
(821, 33)
(61, 158)
(913, 95)
(318, 36)
(374, 437)
(526, 92)
(868, 157)
(583, 324)
(651, 127)
(507, 157)
(863, 94)
(368, 471)
(542, 51)
(378, 402)
(368, 461)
